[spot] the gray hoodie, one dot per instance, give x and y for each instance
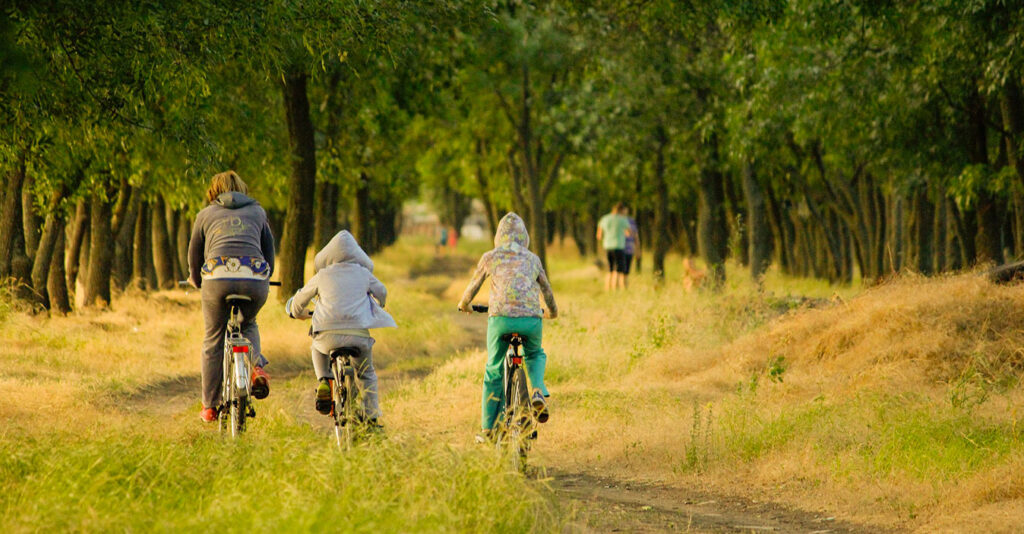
(346, 288)
(234, 226)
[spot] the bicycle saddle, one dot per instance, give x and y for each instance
(235, 300)
(344, 351)
(507, 338)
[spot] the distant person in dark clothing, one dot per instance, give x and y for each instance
(612, 230)
(632, 247)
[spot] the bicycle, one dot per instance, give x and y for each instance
(344, 395)
(236, 385)
(516, 427)
(345, 392)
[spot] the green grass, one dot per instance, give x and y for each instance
(878, 436)
(282, 477)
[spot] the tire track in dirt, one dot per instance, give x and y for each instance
(610, 505)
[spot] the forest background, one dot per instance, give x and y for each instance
(841, 140)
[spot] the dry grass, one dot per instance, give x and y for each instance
(898, 405)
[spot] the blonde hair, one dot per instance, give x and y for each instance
(224, 182)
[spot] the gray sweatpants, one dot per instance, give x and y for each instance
(324, 343)
(215, 316)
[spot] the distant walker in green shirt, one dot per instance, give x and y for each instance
(612, 230)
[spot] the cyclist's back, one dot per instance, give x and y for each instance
(350, 301)
(517, 282)
(231, 252)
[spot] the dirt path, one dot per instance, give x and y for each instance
(597, 503)
(609, 505)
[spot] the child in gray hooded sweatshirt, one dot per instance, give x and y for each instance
(349, 301)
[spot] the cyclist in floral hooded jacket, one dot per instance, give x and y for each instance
(517, 282)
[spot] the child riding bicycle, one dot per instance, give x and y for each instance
(517, 281)
(345, 288)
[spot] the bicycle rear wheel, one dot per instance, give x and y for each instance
(518, 419)
(223, 417)
(239, 409)
(238, 405)
(340, 396)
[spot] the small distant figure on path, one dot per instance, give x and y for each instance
(612, 230)
(453, 238)
(632, 246)
(442, 240)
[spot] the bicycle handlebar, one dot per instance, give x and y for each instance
(187, 283)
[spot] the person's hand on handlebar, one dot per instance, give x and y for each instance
(464, 307)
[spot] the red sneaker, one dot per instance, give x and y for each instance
(208, 415)
(260, 383)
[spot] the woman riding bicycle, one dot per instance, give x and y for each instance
(231, 253)
(517, 281)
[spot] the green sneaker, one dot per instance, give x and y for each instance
(323, 397)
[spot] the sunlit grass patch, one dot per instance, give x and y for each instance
(282, 477)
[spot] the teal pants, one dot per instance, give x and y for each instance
(531, 328)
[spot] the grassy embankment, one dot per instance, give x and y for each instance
(896, 406)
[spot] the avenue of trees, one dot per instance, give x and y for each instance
(833, 138)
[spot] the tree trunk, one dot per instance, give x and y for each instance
(171, 227)
(31, 222)
(660, 235)
(1011, 105)
(76, 237)
(140, 247)
(362, 223)
(101, 251)
(757, 222)
(183, 233)
(712, 232)
(52, 228)
(56, 283)
(924, 217)
(325, 215)
(10, 223)
(301, 185)
(941, 225)
(485, 189)
(161, 245)
(987, 240)
(736, 219)
(123, 242)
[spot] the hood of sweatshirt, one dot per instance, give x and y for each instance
(342, 249)
(511, 231)
(233, 200)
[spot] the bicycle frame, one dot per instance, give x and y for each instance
(344, 395)
(236, 387)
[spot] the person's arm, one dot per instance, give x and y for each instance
(378, 290)
(196, 253)
(474, 285)
(267, 244)
(549, 295)
(298, 303)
